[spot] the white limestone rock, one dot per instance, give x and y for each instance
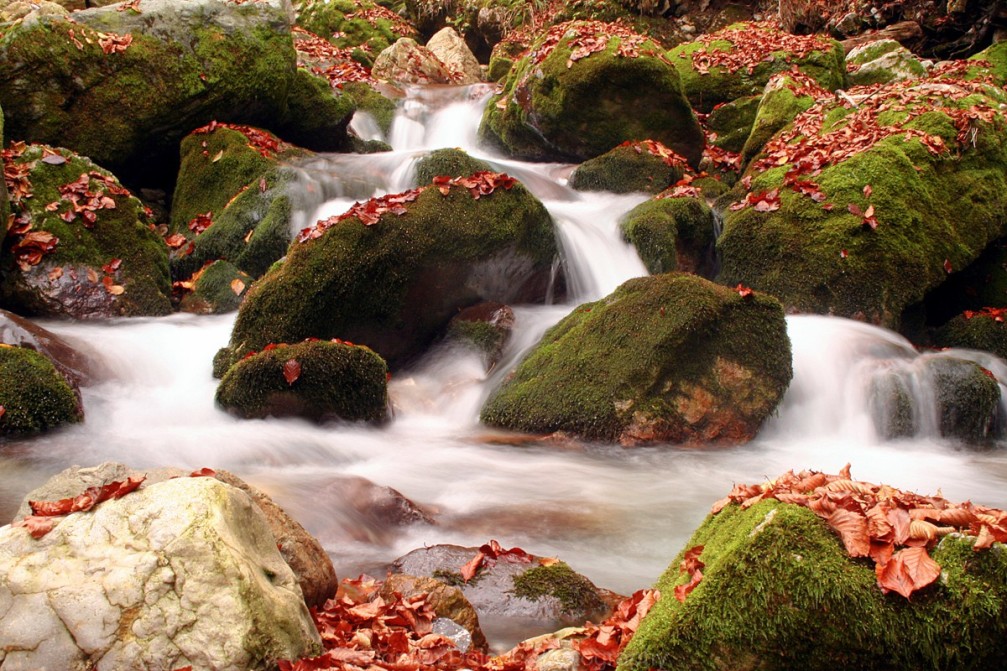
(450, 48)
(178, 573)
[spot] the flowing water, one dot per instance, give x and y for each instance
(618, 516)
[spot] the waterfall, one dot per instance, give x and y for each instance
(616, 515)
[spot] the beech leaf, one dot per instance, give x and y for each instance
(908, 570)
(291, 371)
(237, 286)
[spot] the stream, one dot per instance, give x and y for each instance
(617, 515)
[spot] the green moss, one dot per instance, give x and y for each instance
(219, 289)
(453, 578)
(778, 106)
(996, 55)
(317, 114)
(368, 284)
(34, 396)
(670, 356)
(671, 234)
(930, 209)
(968, 399)
(707, 89)
(550, 111)
(732, 122)
(883, 61)
(120, 232)
(335, 380)
(778, 592)
(447, 162)
(892, 406)
(372, 102)
(576, 593)
(339, 22)
(626, 169)
(980, 332)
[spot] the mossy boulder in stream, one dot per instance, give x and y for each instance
(778, 592)
(985, 330)
(669, 357)
(632, 166)
(34, 397)
(861, 211)
(392, 272)
(219, 287)
(786, 95)
(316, 379)
(449, 163)
(737, 61)
(124, 87)
(233, 199)
(672, 233)
(586, 87)
(82, 246)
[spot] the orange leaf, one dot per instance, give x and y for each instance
(852, 528)
(291, 371)
(469, 570)
(908, 570)
(237, 286)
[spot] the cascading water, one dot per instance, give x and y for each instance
(616, 515)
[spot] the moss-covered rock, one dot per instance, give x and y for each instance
(484, 328)
(632, 166)
(167, 72)
(981, 331)
(82, 245)
(576, 594)
(319, 380)
(34, 397)
(669, 357)
(779, 592)
(739, 60)
(317, 114)
(861, 211)
(394, 284)
(447, 163)
(786, 95)
(731, 123)
(569, 100)
(217, 288)
(233, 199)
(993, 62)
(362, 25)
(881, 62)
(967, 398)
(893, 409)
(672, 234)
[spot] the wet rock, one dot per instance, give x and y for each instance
(801, 596)
(484, 328)
(666, 358)
(394, 284)
(446, 600)
(368, 512)
(216, 289)
(968, 398)
(406, 62)
(452, 51)
(673, 234)
(319, 380)
(881, 62)
(555, 106)
(447, 163)
(82, 244)
(34, 396)
(75, 366)
(510, 594)
(182, 572)
(976, 331)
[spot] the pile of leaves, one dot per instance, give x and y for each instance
(267, 144)
(82, 199)
(328, 61)
(590, 37)
(753, 43)
(372, 15)
(369, 212)
(489, 553)
(365, 627)
(45, 515)
(894, 528)
(110, 43)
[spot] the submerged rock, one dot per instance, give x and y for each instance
(666, 358)
(778, 591)
(484, 328)
(82, 245)
(182, 572)
(315, 379)
(447, 601)
(586, 87)
(392, 272)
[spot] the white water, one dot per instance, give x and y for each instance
(619, 516)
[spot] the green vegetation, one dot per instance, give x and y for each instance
(34, 396)
(575, 593)
(627, 168)
(672, 234)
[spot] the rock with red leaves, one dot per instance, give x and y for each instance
(586, 87)
(407, 62)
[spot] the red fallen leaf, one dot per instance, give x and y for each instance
(112, 266)
(984, 539)
(175, 240)
(135, 6)
(262, 185)
(868, 191)
(855, 210)
(203, 473)
(908, 570)
(843, 254)
(3, 411)
(291, 371)
(691, 565)
(37, 525)
(91, 497)
(472, 567)
(744, 291)
(200, 222)
(947, 266)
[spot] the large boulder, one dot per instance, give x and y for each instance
(770, 586)
(83, 246)
(181, 573)
(861, 208)
(124, 87)
(588, 86)
(233, 199)
(669, 357)
(34, 396)
(785, 95)
(451, 50)
(407, 62)
(881, 62)
(738, 61)
(983, 330)
(632, 166)
(316, 379)
(391, 272)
